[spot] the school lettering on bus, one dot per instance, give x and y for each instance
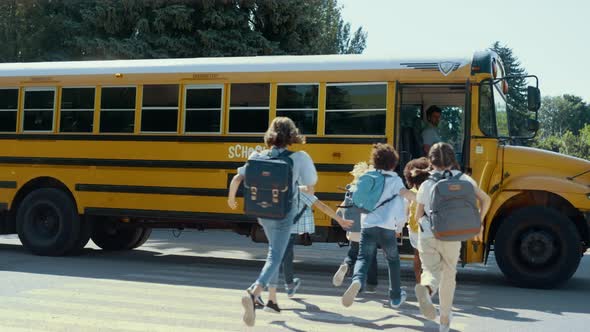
(239, 151)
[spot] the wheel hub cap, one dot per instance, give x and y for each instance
(537, 247)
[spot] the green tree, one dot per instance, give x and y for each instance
(307, 27)
(38, 30)
(563, 113)
(577, 145)
(517, 89)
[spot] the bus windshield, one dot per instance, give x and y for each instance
(503, 115)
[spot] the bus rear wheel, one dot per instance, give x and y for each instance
(48, 223)
(537, 247)
(112, 235)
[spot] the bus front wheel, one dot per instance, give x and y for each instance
(48, 223)
(537, 247)
(112, 235)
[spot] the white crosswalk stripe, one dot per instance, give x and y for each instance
(207, 298)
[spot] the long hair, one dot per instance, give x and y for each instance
(282, 132)
(442, 155)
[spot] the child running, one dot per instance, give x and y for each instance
(281, 133)
(415, 172)
(304, 225)
(381, 227)
(348, 211)
(439, 258)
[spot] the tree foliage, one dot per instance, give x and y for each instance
(563, 113)
(517, 90)
(564, 120)
(565, 126)
(46, 30)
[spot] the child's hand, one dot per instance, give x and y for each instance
(479, 237)
(398, 235)
(345, 223)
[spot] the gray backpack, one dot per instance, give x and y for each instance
(453, 211)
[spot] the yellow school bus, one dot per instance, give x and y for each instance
(109, 150)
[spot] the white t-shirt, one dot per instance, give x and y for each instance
(423, 197)
(304, 172)
(391, 215)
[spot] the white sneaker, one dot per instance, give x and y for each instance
(398, 302)
(351, 293)
(249, 317)
(426, 307)
(340, 275)
(445, 327)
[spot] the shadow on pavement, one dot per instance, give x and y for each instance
(491, 295)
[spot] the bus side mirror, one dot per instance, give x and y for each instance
(532, 125)
(533, 98)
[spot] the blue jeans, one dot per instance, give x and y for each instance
(370, 237)
(287, 266)
(352, 257)
(278, 233)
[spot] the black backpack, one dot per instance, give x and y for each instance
(268, 186)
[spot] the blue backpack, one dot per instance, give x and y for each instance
(369, 188)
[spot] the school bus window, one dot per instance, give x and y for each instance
(355, 109)
(300, 103)
(117, 113)
(8, 109)
(487, 119)
(77, 110)
(203, 109)
(159, 112)
(249, 106)
(39, 109)
(501, 111)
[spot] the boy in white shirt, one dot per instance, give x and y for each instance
(381, 227)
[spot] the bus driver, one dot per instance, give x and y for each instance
(430, 134)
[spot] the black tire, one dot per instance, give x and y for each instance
(537, 247)
(47, 222)
(83, 237)
(112, 235)
(145, 235)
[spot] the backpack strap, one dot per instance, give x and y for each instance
(285, 156)
(435, 177)
(447, 174)
(299, 214)
(390, 198)
(385, 202)
(457, 176)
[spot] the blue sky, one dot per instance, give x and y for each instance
(550, 38)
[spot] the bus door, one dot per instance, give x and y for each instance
(415, 99)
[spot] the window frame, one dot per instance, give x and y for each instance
(496, 92)
(18, 96)
(102, 87)
(159, 108)
(267, 108)
(186, 110)
(61, 109)
(326, 110)
(316, 109)
(53, 110)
